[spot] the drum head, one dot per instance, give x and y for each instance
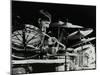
(26, 42)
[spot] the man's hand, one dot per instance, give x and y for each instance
(52, 40)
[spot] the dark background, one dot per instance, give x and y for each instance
(76, 14)
(28, 13)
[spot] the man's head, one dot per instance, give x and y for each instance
(44, 23)
(45, 19)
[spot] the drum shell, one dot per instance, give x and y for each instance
(86, 57)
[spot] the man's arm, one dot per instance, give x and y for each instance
(55, 40)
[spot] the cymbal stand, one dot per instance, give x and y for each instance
(81, 62)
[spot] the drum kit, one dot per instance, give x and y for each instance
(29, 41)
(80, 34)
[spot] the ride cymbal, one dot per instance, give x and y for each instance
(80, 34)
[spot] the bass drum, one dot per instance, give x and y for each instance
(87, 58)
(26, 42)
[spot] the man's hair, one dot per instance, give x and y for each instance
(45, 16)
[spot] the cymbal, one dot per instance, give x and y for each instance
(65, 25)
(85, 47)
(79, 34)
(32, 38)
(84, 41)
(70, 25)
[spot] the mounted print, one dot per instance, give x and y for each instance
(52, 37)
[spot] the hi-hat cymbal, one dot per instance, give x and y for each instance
(84, 41)
(80, 34)
(65, 25)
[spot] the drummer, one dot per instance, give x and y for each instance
(39, 33)
(44, 22)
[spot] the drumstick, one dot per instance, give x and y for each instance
(56, 40)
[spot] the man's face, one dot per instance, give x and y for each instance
(45, 23)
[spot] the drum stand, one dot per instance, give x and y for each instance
(66, 57)
(81, 55)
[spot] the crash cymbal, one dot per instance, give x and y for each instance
(80, 34)
(65, 25)
(84, 41)
(70, 25)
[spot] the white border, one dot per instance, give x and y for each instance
(80, 2)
